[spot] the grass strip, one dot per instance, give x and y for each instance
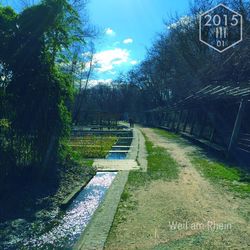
(221, 173)
(234, 179)
(160, 166)
(166, 134)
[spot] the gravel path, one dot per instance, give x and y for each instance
(208, 216)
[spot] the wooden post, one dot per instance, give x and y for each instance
(173, 123)
(193, 123)
(168, 120)
(179, 121)
(212, 135)
(160, 118)
(237, 125)
(212, 118)
(165, 118)
(203, 124)
(186, 121)
(154, 118)
(150, 118)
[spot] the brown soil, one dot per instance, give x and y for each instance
(191, 200)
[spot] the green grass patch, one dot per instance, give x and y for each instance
(218, 172)
(87, 162)
(166, 134)
(160, 163)
(160, 166)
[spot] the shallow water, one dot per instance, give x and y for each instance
(66, 233)
(116, 156)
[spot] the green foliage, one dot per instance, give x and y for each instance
(35, 93)
(125, 195)
(4, 124)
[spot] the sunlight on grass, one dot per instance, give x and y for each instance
(160, 166)
(160, 161)
(93, 146)
(221, 173)
(166, 134)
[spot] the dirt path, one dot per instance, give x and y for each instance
(207, 216)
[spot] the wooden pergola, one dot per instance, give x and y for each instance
(217, 116)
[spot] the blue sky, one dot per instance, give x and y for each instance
(127, 28)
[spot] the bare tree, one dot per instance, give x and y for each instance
(85, 70)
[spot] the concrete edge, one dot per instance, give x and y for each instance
(132, 154)
(142, 152)
(97, 231)
(72, 195)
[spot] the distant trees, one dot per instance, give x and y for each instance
(178, 63)
(35, 91)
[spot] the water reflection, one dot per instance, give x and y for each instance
(116, 156)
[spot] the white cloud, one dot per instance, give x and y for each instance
(128, 40)
(95, 82)
(133, 62)
(107, 59)
(109, 32)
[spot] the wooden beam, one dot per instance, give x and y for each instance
(237, 125)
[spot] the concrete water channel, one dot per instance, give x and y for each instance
(86, 221)
(76, 217)
(96, 232)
